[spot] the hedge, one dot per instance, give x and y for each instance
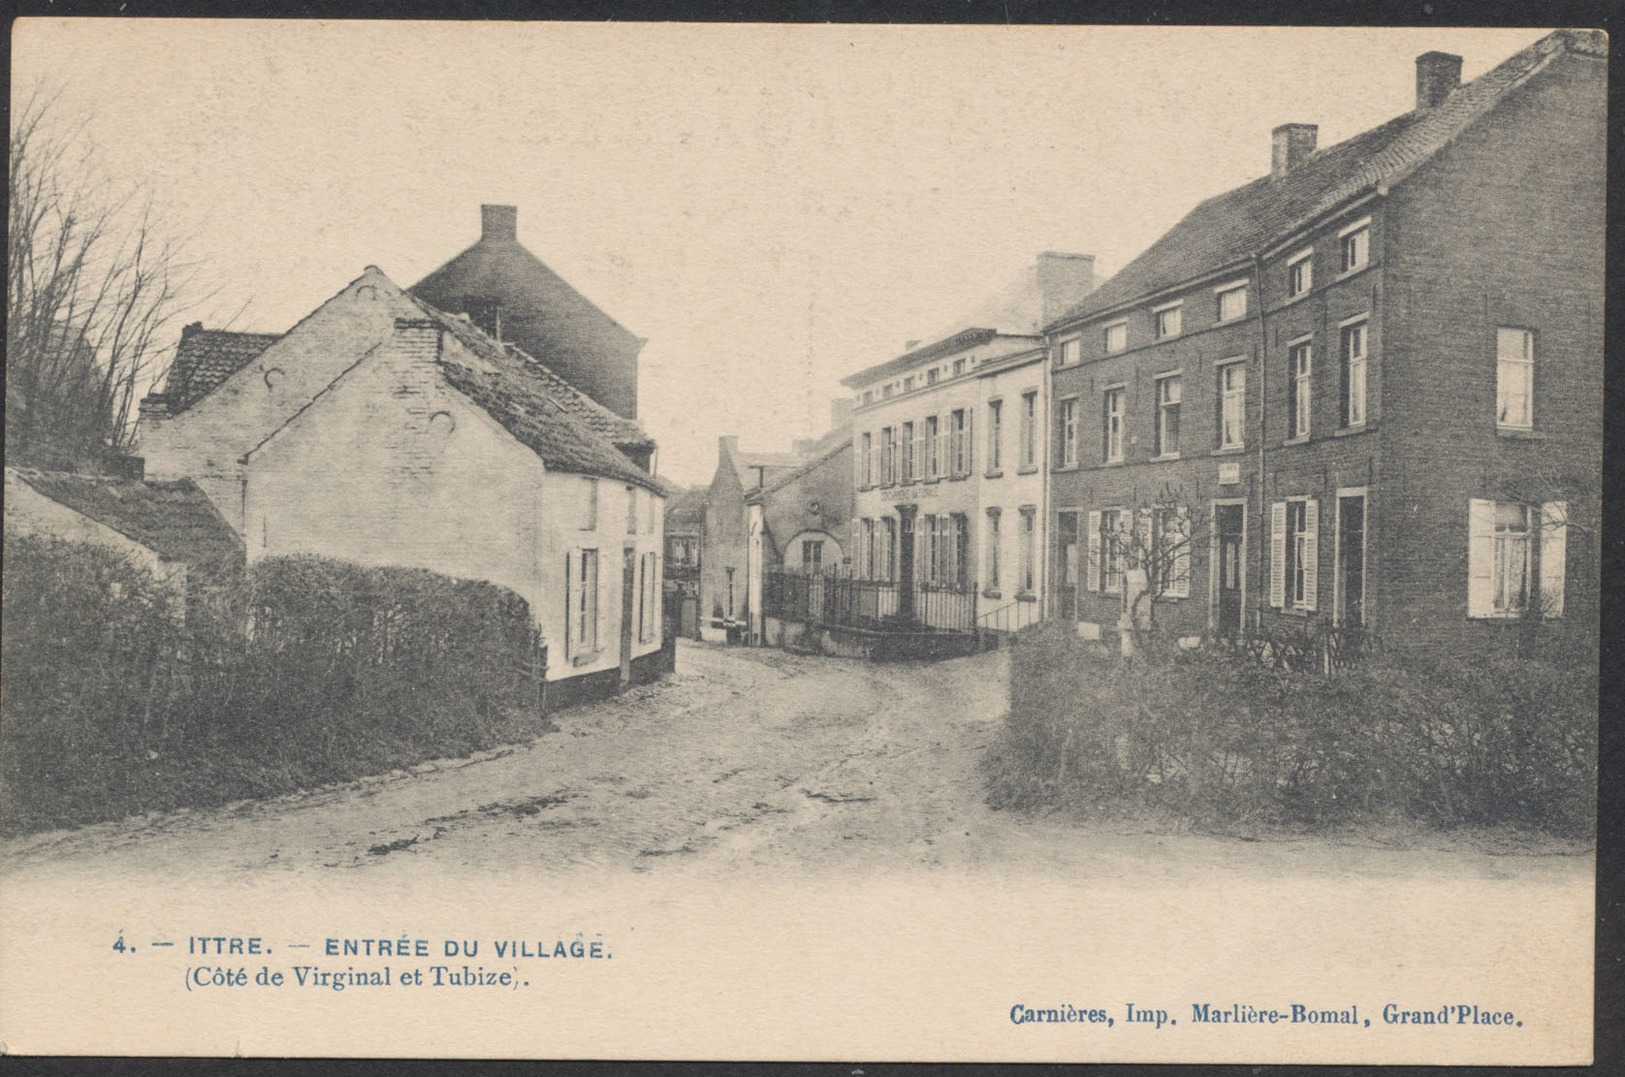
(116, 699)
(1212, 739)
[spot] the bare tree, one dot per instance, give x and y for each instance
(1151, 549)
(91, 287)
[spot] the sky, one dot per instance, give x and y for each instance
(772, 207)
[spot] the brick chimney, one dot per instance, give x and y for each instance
(728, 445)
(1290, 144)
(1437, 76)
(1063, 280)
(499, 224)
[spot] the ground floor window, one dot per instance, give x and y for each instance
(1029, 538)
(993, 549)
(812, 555)
(1516, 558)
(582, 577)
(1295, 553)
(1106, 541)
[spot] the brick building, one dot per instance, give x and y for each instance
(382, 431)
(1364, 389)
(951, 442)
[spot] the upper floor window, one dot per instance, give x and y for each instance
(1070, 352)
(933, 454)
(866, 460)
(1116, 337)
(1514, 378)
(908, 383)
(1300, 362)
(1067, 423)
(1354, 244)
(906, 451)
(1232, 302)
(1168, 400)
(868, 396)
(995, 435)
(888, 455)
(1300, 273)
(1354, 339)
(885, 393)
(1112, 415)
(1232, 405)
(1167, 320)
(1029, 429)
(959, 442)
(931, 375)
(959, 367)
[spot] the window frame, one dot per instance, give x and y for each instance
(1107, 331)
(1176, 312)
(1354, 237)
(1028, 460)
(1113, 421)
(1224, 291)
(1300, 388)
(1355, 370)
(1525, 369)
(1072, 345)
(1164, 409)
(1226, 394)
(1304, 259)
(995, 436)
(1067, 427)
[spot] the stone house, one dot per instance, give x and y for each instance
(1364, 390)
(383, 431)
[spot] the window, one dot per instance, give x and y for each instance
(931, 375)
(631, 510)
(995, 435)
(886, 392)
(959, 367)
(1167, 321)
(1354, 243)
(1173, 551)
(1354, 355)
(1232, 405)
(959, 442)
(1116, 337)
(648, 569)
(868, 396)
(908, 384)
(1294, 553)
(927, 567)
(1300, 274)
(906, 450)
(1514, 378)
(1067, 425)
(1029, 430)
(589, 506)
(1299, 363)
(866, 550)
(1029, 529)
(1070, 352)
(993, 549)
(866, 460)
(1168, 398)
(888, 456)
(1232, 302)
(959, 568)
(583, 594)
(933, 458)
(1105, 568)
(888, 550)
(1516, 556)
(812, 556)
(1112, 449)
(918, 454)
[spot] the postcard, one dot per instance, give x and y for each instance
(802, 542)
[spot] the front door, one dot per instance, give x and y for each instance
(1351, 560)
(905, 562)
(1229, 526)
(629, 589)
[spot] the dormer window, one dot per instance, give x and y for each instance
(1070, 352)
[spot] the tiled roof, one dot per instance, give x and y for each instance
(174, 518)
(831, 444)
(1230, 228)
(959, 341)
(686, 511)
(618, 429)
(504, 384)
(207, 357)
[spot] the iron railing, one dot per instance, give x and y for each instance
(833, 598)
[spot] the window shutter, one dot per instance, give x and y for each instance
(569, 603)
(1311, 552)
(1480, 558)
(1554, 526)
(1278, 554)
(1092, 569)
(970, 440)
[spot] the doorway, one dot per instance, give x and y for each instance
(1351, 559)
(1230, 534)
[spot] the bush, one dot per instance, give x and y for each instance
(1214, 740)
(306, 671)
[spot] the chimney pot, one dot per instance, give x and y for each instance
(1290, 144)
(910, 345)
(728, 444)
(1437, 76)
(499, 223)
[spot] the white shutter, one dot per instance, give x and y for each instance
(1092, 569)
(1278, 554)
(1480, 558)
(1554, 526)
(1311, 552)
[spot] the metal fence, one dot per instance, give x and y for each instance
(837, 599)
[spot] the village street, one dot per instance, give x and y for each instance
(746, 759)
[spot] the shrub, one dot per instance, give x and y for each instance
(1214, 740)
(308, 670)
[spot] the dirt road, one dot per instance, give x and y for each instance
(747, 759)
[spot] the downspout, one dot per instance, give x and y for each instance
(1263, 431)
